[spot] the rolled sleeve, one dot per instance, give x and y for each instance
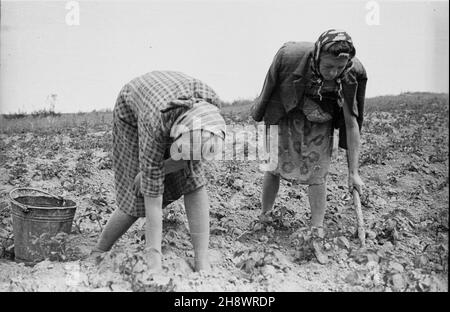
(361, 79)
(360, 98)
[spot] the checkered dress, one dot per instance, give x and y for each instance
(143, 114)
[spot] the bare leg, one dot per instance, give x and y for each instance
(153, 232)
(317, 200)
(117, 225)
(197, 211)
(271, 185)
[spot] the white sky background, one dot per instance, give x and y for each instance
(227, 44)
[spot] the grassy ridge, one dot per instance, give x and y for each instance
(423, 101)
(93, 120)
(238, 110)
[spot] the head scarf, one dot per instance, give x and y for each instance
(327, 39)
(202, 116)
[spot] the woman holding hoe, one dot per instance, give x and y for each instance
(311, 89)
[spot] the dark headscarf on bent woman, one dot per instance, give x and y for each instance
(327, 39)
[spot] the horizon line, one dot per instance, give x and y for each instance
(227, 104)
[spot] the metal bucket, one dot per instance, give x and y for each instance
(33, 216)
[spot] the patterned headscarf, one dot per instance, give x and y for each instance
(327, 39)
(202, 116)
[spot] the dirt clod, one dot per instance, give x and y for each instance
(398, 282)
(343, 242)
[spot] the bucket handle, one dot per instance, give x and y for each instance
(24, 207)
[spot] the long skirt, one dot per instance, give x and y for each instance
(304, 149)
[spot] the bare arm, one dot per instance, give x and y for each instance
(353, 146)
(153, 222)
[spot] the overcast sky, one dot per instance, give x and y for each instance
(227, 44)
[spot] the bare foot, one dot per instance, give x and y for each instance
(265, 217)
(317, 240)
(96, 255)
(202, 265)
(317, 247)
(153, 259)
